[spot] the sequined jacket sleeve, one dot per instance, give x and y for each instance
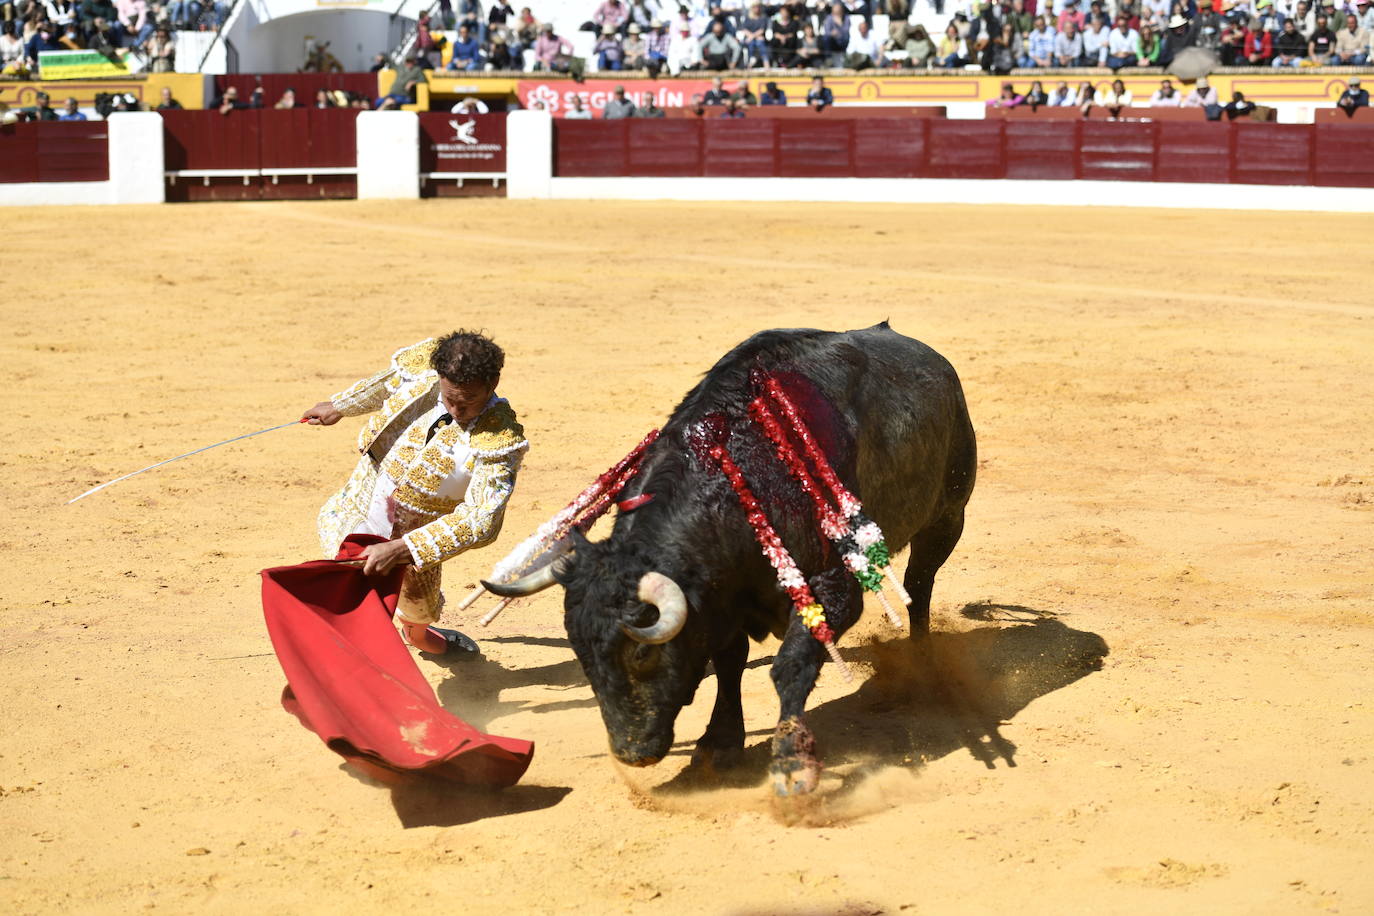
(476, 520)
(370, 394)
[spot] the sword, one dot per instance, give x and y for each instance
(204, 448)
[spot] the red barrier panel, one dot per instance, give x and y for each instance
(664, 148)
(965, 149)
(1271, 153)
(1193, 152)
(466, 143)
(305, 84)
(1342, 154)
(745, 149)
(589, 148)
(274, 155)
(889, 147)
(54, 151)
(815, 149)
(1116, 150)
(1044, 150)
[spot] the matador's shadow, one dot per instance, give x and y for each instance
(922, 704)
(473, 689)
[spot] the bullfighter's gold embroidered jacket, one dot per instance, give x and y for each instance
(450, 493)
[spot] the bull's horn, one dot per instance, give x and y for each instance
(666, 595)
(536, 581)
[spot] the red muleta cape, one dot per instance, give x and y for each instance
(353, 682)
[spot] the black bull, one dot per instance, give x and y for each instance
(889, 412)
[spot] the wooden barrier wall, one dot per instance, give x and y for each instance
(1242, 152)
(54, 151)
(253, 140)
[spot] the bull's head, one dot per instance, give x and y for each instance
(639, 645)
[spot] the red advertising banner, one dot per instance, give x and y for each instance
(556, 95)
(462, 143)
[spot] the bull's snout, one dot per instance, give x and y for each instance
(641, 753)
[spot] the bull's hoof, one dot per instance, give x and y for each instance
(711, 757)
(795, 768)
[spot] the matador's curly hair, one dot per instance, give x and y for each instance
(468, 356)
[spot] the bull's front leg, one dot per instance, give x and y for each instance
(796, 769)
(722, 745)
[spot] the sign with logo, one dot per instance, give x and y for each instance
(78, 65)
(556, 95)
(462, 143)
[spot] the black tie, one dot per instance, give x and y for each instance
(437, 425)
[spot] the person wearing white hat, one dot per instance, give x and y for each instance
(610, 54)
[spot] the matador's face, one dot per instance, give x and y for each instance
(464, 402)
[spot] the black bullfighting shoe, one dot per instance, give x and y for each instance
(456, 645)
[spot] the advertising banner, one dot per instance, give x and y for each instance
(78, 65)
(556, 95)
(462, 143)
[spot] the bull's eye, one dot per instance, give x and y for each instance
(643, 659)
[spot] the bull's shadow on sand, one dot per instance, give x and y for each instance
(924, 702)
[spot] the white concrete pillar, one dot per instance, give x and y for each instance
(388, 155)
(136, 158)
(529, 154)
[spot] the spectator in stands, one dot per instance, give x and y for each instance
(1178, 37)
(1366, 14)
(42, 110)
(1233, 42)
(166, 102)
(648, 107)
(1354, 96)
(133, 15)
(719, 50)
(643, 14)
(502, 53)
(610, 54)
(1321, 43)
(1036, 97)
(425, 45)
(44, 39)
(919, 47)
(1166, 96)
(1290, 47)
(1148, 47)
(323, 99)
(1006, 48)
(403, 86)
(1123, 45)
(785, 40)
(230, 101)
(1095, 44)
(732, 110)
(12, 60)
(819, 98)
(287, 100)
(1306, 17)
(184, 14)
(743, 94)
(379, 62)
(1352, 44)
(1206, 29)
(716, 95)
(1071, 14)
(470, 14)
(71, 111)
(578, 111)
(1062, 97)
(1084, 98)
(834, 34)
(467, 50)
(618, 107)
(1115, 99)
(772, 95)
(954, 51)
(1257, 45)
(656, 47)
(1020, 20)
(634, 51)
(1204, 96)
(527, 27)
(1239, 106)
(555, 54)
(1038, 46)
(810, 54)
(1068, 46)
(611, 13)
(864, 49)
(1009, 98)
(752, 35)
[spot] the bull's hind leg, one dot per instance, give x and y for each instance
(930, 548)
(722, 745)
(796, 769)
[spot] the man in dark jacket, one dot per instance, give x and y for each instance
(1353, 97)
(1290, 47)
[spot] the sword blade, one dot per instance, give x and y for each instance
(203, 448)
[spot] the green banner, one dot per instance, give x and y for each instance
(78, 65)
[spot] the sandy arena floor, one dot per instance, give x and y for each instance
(1163, 594)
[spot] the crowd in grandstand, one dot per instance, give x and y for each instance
(112, 27)
(654, 36)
